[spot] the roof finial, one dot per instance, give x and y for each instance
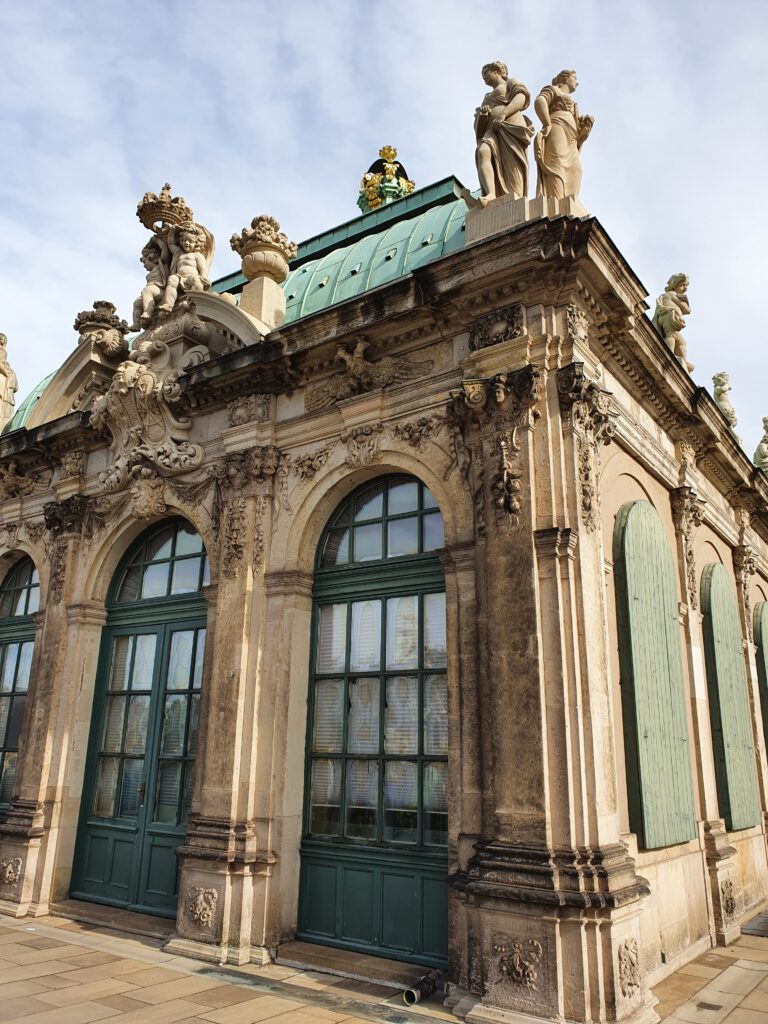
(385, 181)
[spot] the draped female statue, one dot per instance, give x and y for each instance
(562, 135)
(503, 135)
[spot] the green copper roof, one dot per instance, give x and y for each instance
(22, 414)
(371, 250)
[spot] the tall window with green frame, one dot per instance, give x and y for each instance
(19, 599)
(378, 746)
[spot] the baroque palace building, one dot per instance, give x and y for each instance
(401, 592)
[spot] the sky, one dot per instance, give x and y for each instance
(265, 107)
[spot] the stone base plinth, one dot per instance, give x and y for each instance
(482, 1014)
(264, 299)
(509, 212)
(216, 953)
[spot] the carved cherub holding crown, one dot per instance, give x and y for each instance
(156, 258)
(191, 248)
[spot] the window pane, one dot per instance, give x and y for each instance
(189, 781)
(332, 638)
(325, 797)
(159, 546)
(104, 801)
(194, 722)
(131, 788)
(180, 661)
(401, 801)
(329, 716)
(112, 736)
(362, 799)
(402, 632)
(197, 675)
(433, 531)
(401, 716)
(368, 542)
(429, 499)
(403, 497)
(436, 803)
(25, 664)
(369, 504)
(336, 550)
(188, 541)
(129, 588)
(403, 537)
(155, 582)
(435, 715)
(6, 781)
(136, 728)
(363, 717)
(434, 630)
(20, 603)
(168, 792)
(5, 707)
(34, 600)
(174, 724)
(366, 636)
(9, 667)
(186, 576)
(15, 719)
(206, 571)
(6, 604)
(144, 662)
(121, 660)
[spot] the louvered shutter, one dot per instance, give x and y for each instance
(728, 701)
(657, 751)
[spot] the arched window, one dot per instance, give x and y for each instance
(656, 743)
(376, 807)
(144, 726)
(734, 748)
(19, 598)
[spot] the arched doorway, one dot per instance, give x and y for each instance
(19, 599)
(374, 848)
(140, 766)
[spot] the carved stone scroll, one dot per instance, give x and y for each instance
(249, 409)
(201, 904)
(519, 961)
(361, 375)
(745, 565)
(687, 513)
(307, 465)
(587, 410)
(10, 871)
(362, 444)
(416, 433)
(496, 327)
(629, 967)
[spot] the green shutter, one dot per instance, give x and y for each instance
(656, 741)
(728, 702)
(761, 639)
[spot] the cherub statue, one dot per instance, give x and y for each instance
(9, 384)
(156, 258)
(761, 455)
(671, 307)
(191, 248)
(722, 386)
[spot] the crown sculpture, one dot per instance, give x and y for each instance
(177, 257)
(384, 181)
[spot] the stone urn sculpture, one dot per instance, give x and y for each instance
(265, 252)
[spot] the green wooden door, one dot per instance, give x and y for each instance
(656, 743)
(373, 857)
(735, 767)
(761, 639)
(140, 767)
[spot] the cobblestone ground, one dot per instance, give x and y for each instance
(56, 971)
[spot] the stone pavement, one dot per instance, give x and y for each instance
(58, 971)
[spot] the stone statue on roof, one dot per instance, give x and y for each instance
(761, 455)
(558, 144)
(9, 384)
(671, 306)
(177, 258)
(503, 134)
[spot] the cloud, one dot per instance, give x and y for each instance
(280, 108)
